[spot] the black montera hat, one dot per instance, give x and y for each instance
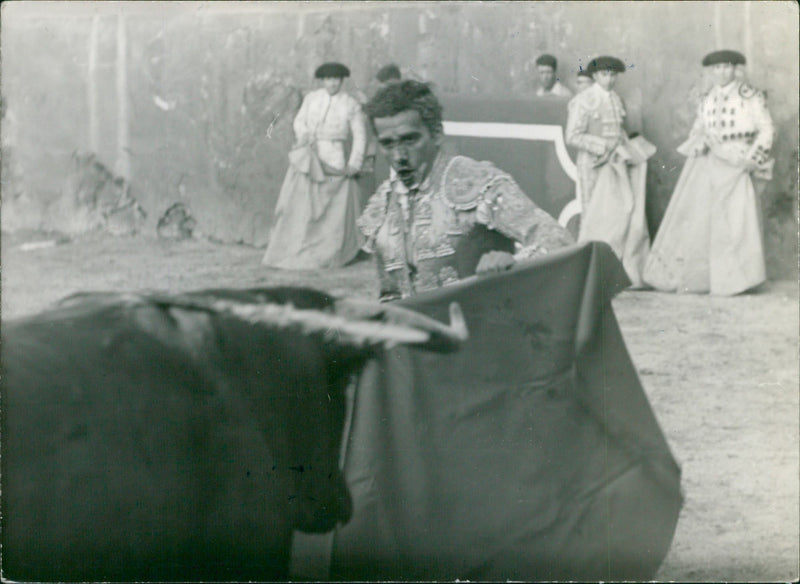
(717, 57)
(332, 70)
(584, 73)
(548, 60)
(606, 63)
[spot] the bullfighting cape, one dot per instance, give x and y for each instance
(531, 454)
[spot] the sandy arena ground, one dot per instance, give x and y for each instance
(721, 374)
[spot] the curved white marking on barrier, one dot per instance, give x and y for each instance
(535, 132)
(569, 211)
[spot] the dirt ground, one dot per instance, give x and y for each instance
(721, 374)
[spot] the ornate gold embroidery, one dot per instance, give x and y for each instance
(374, 215)
(444, 212)
(464, 180)
(448, 275)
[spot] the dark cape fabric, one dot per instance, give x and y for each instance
(531, 454)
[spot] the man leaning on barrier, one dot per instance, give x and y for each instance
(440, 217)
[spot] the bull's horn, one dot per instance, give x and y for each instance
(359, 323)
(332, 327)
(441, 337)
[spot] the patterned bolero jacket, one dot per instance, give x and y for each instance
(436, 235)
(734, 123)
(595, 120)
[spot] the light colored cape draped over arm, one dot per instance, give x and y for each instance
(321, 118)
(301, 125)
(358, 128)
(696, 142)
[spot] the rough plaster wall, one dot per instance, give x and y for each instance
(212, 96)
(37, 133)
(218, 140)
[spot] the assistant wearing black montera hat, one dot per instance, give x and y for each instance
(710, 238)
(611, 168)
(319, 199)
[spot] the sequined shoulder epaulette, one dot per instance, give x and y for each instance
(465, 181)
(747, 91)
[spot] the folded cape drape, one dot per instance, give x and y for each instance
(615, 213)
(531, 454)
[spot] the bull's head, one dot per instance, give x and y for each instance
(326, 340)
(350, 331)
(224, 407)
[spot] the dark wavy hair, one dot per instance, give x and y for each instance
(388, 72)
(407, 95)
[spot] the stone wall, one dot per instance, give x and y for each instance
(197, 107)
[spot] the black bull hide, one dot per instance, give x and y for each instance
(151, 440)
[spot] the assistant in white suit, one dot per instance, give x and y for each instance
(319, 200)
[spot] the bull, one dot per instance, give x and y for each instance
(182, 437)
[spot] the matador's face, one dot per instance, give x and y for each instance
(408, 144)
